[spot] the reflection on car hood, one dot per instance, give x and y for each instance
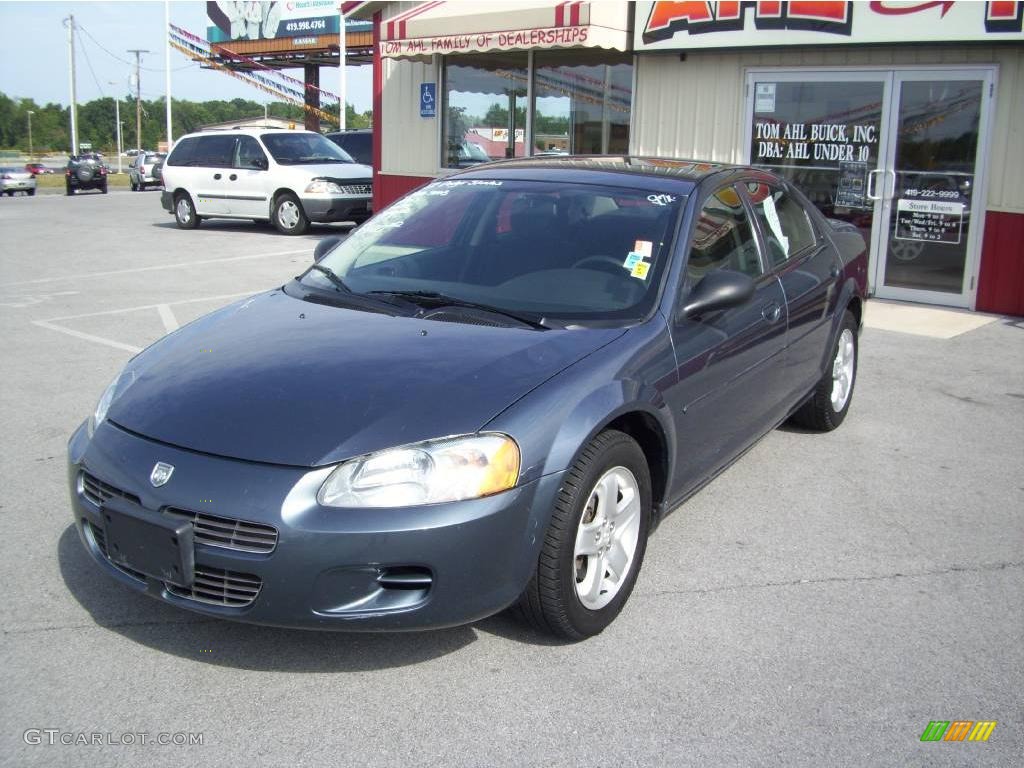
(334, 170)
(281, 380)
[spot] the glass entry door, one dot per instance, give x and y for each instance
(897, 153)
(931, 202)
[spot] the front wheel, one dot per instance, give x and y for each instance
(31, 193)
(289, 217)
(830, 401)
(595, 542)
(185, 212)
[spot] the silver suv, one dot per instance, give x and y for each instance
(290, 178)
(140, 172)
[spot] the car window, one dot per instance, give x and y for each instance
(561, 250)
(249, 155)
(214, 151)
(784, 222)
(183, 152)
(360, 146)
(300, 147)
(723, 237)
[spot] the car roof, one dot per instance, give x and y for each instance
(615, 170)
(249, 131)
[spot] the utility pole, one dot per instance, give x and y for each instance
(138, 97)
(342, 60)
(69, 22)
(117, 118)
(29, 112)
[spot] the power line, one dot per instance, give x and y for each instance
(91, 70)
(125, 61)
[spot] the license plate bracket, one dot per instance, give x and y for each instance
(157, 546)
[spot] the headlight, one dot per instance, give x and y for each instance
(323, 187)
(120, 383)
(425, 473)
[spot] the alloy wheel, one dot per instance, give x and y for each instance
(842, 370)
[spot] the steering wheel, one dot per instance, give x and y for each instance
(602, 262)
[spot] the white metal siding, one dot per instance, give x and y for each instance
(409, 144)
(695, 108)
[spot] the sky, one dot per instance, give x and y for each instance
(34, 54)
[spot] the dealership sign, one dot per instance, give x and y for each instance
(748, 23)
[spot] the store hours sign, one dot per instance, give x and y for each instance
(931, 221)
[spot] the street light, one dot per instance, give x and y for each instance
(29, 112)
(117, 118)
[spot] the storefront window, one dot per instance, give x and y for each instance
(824, 137)
(582, 101)
(484, 108)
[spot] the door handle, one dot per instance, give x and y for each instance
(216, 177)
(771, 312)
(233, 176)
(871, 177)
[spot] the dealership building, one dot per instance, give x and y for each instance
(902, 118)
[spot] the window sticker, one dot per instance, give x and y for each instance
(644, 247)
(661, 199)
(776, 226)
(631, 259)
(640, 270)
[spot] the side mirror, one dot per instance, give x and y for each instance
(720, 289)
(325, 245)
(260, 163)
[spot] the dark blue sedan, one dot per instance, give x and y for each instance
(488, 395)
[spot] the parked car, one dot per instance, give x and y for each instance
(85, 171)
(357, 142)
(37, 169)
(140, 170)
(290, 178)
(14, 180)
(488, 395)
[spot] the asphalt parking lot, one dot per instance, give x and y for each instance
(818, 604)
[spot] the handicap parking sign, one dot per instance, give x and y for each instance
(428, 99)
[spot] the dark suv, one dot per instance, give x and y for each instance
(85, 171)
(358, 142)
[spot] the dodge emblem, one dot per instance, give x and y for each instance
(161, 474)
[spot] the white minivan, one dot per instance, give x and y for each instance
(290, 178)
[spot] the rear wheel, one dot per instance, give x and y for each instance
(185, 212)
(289, 217)
(830, 402)
(70, 191)
(31, 193)
(104, 189)
(595, 543)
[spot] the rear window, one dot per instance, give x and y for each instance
(359, 145)
(182, 153)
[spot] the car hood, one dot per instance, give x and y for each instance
(280, 380)
(335, 171)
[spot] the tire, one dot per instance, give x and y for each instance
(572, 595)
(829, 403)
(185, 211)
(134, 185)
(288, 215)
(31, 193)
(69, 190)
(103, 189)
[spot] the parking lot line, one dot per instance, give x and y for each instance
(153, 268)
(87, 336)
(164, 309)
(170, 321)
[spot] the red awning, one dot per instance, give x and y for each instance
(461, 27)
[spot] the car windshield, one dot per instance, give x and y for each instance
(297, 148)
(574, 252)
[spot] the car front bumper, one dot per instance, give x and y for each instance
(328, 208)
(342, 569)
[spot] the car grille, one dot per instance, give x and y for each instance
(356, 189)
(98, 492)
(228, 533)
(217, 586)
(212, 530)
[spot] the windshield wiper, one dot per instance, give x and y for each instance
(435, 299)
(331, 275)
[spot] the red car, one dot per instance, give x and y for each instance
(37, 168)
